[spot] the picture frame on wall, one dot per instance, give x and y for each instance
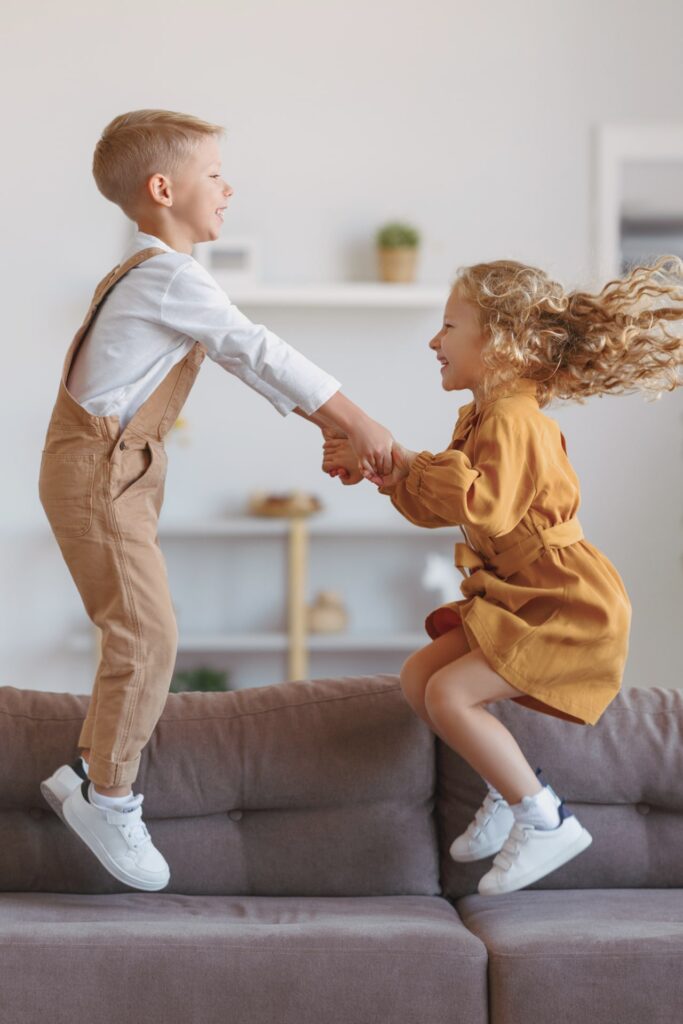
(235, 261)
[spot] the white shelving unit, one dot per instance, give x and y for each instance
(319, 529)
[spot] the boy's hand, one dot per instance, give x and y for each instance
(372, 443)
(339, 458)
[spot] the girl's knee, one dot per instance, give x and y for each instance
(442, 690)
(413, 679)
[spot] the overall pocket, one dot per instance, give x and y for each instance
(65, 487)
(135, 470)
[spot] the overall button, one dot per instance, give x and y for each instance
(235, 815)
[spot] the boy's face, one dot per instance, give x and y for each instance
(458, 344)
(198, 196)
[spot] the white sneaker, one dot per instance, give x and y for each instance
(490, 826)
(529, 853)
(63, 780)
(487, 831)
(118, 838)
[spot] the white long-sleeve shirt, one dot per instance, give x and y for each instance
(153, 316)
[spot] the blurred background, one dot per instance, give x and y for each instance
(543, 132)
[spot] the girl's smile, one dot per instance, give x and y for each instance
(458, 344)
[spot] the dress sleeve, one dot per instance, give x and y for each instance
(195, 306)
(492, 493)
(410, 507)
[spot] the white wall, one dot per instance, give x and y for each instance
(474, 121)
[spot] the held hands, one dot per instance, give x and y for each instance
(340, 459)
(372, 444)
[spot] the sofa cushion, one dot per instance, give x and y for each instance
(599, 956)
(323, 787)
(621, 777)
(174, 959)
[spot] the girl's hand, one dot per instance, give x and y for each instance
(339, 458)
(402, 461)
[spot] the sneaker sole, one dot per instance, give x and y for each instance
(53, 800)
(581, 843)
(103, 856)
(50, 790)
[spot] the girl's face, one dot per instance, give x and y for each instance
(458, 345)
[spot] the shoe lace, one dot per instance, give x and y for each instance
(508, 853)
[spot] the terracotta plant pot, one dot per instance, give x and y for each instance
(397, 264)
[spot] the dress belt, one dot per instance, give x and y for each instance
(511, 560)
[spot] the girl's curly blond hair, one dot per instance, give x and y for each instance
(576, 344)
(140, 143)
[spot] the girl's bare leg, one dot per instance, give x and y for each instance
(446, 684)
(454, 698)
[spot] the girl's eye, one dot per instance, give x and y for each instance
(215, 175)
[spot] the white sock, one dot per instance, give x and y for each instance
(539, 810)
(85, 764)
(100, 800)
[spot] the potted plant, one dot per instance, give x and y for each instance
(397, 246)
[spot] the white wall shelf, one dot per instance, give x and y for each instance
(318, 525)
(245, 643)
(354, 295)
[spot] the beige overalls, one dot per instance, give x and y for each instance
(102, 489)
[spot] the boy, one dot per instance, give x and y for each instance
(125, 378)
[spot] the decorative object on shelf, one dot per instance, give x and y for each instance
(202, 678)
(397, 248)
(180, 431)
(327, 613)
(292, 503)
(440, 574)
(234, 261)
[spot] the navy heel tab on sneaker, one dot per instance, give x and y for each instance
(77, 766)
(563, 812)
(85, 785)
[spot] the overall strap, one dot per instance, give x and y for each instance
(117, 273)
(105, 285)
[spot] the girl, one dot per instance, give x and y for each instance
(545, 616)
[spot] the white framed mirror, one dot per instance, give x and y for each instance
(638, 211)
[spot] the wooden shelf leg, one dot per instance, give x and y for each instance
(296, 604)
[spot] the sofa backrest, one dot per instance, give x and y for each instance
(623, 778)
(324, 787)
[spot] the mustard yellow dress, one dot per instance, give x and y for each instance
(549, 611)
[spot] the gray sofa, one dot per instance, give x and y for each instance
(307, 828)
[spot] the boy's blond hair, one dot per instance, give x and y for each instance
(140, 143)
(573, 343)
